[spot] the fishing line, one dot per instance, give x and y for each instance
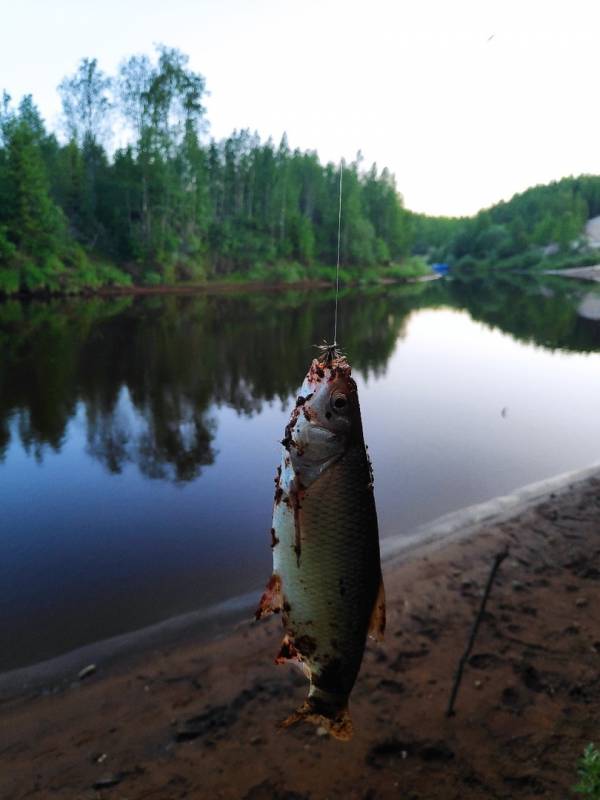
(337, 268)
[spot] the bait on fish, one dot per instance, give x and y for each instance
(326, 579)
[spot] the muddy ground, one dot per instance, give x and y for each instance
(200, 721)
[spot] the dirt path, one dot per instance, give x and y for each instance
(199, 721)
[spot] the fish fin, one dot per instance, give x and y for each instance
(377, 621)
(305, 669)
(338, 724)
(271, 600)
(287, 651)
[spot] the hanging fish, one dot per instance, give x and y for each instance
(326, 578)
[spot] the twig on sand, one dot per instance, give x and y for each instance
(498, 559)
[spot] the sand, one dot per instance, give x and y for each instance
(199, 719)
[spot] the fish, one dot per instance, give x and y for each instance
(326, 579)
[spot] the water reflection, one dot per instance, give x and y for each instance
(542, 310)
(170, 358)
(175, 356)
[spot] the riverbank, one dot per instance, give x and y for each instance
(203, 287)
(581, 273)
(198, 720)
(219, 287)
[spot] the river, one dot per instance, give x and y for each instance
(139, 435)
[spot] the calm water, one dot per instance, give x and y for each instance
(139, 437)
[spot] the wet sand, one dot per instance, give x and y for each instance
(199, 720)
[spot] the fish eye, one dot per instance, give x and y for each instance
(339, 401)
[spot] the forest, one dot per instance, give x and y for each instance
(172, 205)
(541, 227)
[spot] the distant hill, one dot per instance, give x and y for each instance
(555, 225)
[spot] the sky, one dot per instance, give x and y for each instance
(466, 102)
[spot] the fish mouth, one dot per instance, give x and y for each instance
(323, 371)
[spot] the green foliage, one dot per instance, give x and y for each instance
(86, 102)
(171, 206)
(589, 773)
(152, 279)
(413, 267)
(35, 248)
(33, 222)
(542, 227)
(7, 248)
(9, 281)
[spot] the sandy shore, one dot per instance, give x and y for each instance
(198, 720)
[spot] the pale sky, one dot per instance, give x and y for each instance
(466, 101)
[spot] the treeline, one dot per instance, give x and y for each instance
(541, 226)
(171, 205)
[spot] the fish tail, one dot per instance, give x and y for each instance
(334, 718)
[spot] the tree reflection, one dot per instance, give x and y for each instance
(172, 446)
(146, 372)
(540, 310)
